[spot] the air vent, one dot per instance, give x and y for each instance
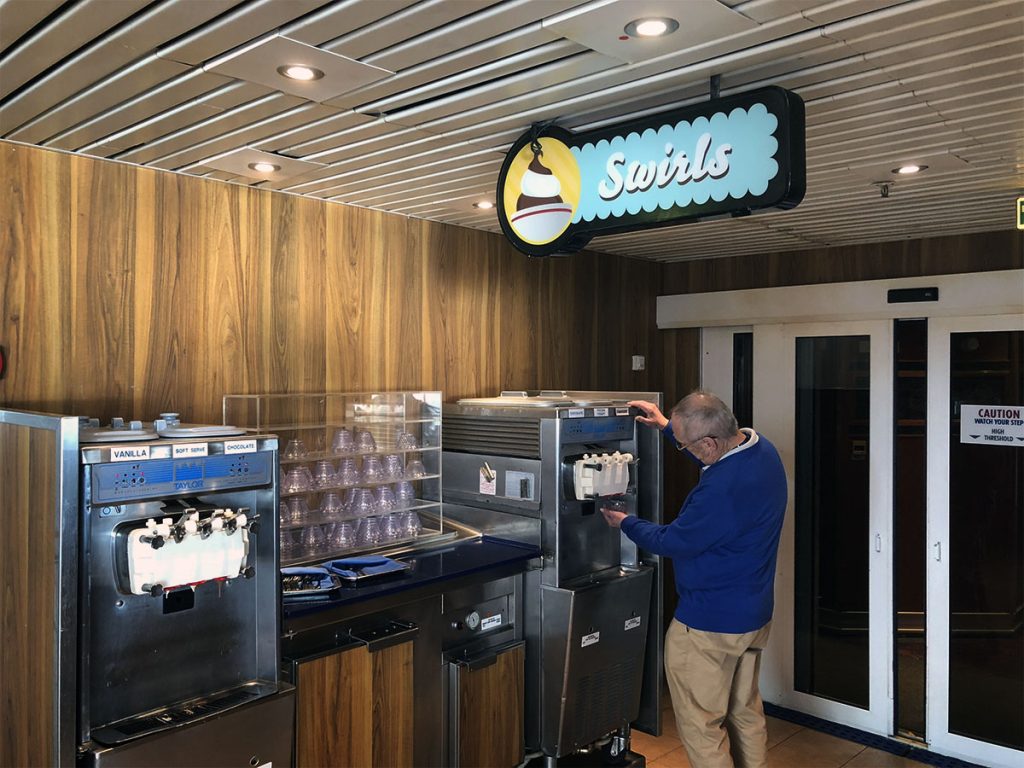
(504, 437)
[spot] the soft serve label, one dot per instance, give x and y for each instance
(558, 189)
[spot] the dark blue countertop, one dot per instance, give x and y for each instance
(462, 558)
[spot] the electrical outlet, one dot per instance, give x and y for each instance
(638, 362)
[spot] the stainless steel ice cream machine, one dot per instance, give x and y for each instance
(165, 634)
(536, 466)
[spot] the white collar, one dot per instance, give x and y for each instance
(748, 443)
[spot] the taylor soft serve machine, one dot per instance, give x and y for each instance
(160, 646)
(536, 466)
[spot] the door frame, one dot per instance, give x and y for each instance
(937, 516)
(774, 411)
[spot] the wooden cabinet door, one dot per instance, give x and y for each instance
(354, 709)
(488, 708)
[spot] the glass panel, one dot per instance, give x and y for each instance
(832, 517)
(986, 533)
(909, 513)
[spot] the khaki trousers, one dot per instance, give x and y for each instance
(712, 678)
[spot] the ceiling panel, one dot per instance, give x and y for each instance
(882, 81)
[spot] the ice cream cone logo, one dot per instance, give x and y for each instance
(542, 191)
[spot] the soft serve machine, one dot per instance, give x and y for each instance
(536, 467)
(151, 569)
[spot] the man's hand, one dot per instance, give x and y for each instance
(652, 417)
(613, 517)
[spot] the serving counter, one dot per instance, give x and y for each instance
(415, 668)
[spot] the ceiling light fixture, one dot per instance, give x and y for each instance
(484, 205)
(906, 170)
(264, 167)
(654, 27)
(299, 72)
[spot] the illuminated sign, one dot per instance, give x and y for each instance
(729, 156)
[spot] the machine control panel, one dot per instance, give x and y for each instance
(597, 429)
(157, 478)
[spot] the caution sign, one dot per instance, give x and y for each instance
(992, 424)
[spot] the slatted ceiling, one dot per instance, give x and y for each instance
(148, 116)
(252, 129)
(335, 19)
(948, 22)
(831, 13)
(478, 185)
(17, 17)
(415, 20)
(172, 121)
(879, 79)
(476, 64)
(575, 67)
(38, 114)
(227, 120)
(484, 25)
(397, 182)
(247, 21)
(47, 44)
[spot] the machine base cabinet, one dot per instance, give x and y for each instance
(486, 709)
(257, 734)
(355, 708)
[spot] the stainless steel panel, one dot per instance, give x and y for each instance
(594, 640)
(256, 734)
(517, 482)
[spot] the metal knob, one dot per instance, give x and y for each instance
(154, 589)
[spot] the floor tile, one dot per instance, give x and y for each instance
(675, 759)
(653, 747)
(780, 730)
(877, 758)
(812, 749)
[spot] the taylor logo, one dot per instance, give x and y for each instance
(558, 189)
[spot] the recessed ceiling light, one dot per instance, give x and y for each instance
(905, 170)
(264, 167)
(299, 72)
(654, 27)
(483, 205)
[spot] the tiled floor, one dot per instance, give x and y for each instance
(789, 746)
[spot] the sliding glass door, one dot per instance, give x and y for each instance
(823, 394)
(975, 662)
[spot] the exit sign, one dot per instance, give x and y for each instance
(1020, 213)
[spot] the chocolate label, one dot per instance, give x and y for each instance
(730, 156)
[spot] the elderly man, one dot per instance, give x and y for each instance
(723, 546)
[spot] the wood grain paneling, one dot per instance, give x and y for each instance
(28, 562)
(491, 713)
(355, 709)
(128, 292)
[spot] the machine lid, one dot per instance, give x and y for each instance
(174, 428)
(90, 431)
(521, 399)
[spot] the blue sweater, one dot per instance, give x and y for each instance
(725, 540)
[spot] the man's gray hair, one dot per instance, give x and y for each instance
(704, 413)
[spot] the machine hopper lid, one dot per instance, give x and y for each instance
(521, 399)
(90, 431)
(545, 398)
(168, 425)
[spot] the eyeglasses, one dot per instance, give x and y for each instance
(684, 446)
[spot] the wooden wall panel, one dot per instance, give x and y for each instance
(28, 563)
(35, 284)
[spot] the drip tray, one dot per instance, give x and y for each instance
(180, 714)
